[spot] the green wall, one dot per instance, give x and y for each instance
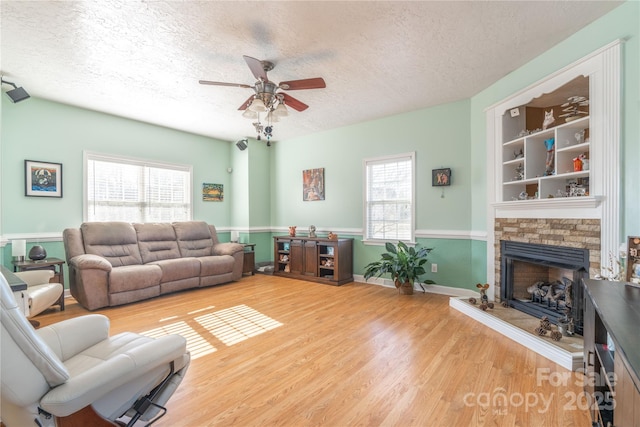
(48, 131)
(440, 137)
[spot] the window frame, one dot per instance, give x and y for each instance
(368, 240)
(114, 158)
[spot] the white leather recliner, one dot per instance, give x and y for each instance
(40, 294)
(74, 373)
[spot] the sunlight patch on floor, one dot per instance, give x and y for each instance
(196, 344)
(236, 324)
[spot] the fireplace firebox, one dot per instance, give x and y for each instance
(544, 280)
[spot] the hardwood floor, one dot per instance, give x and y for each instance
(271, 351)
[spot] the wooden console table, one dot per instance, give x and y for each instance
(316, 259)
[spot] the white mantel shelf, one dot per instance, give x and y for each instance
(561, 203)
(568, 360)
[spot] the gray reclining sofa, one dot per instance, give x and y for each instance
(114, 263)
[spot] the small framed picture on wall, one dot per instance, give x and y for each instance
(42, 179)
(440, 177)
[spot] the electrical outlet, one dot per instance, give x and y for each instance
(434, 268)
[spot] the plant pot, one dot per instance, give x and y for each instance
(405, 288)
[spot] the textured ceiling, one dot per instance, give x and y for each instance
(143, 59)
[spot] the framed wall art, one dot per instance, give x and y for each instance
(440, 177)
(313, 184)
(42, 179)
(212, 192)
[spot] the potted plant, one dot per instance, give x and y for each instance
(403, 263)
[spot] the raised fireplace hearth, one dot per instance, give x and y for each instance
(544, 280)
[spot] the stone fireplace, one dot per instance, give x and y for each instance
(544, 281)
(545, 250)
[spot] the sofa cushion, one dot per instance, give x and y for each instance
(132, 277)
(214, 265)
(115, 241)
(157, 242)
(177, 269)
(194, 238)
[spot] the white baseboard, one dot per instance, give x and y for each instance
(434, 289)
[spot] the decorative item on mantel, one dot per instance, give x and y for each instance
(292, 231)
(519, 172)
(546, 327)
(571, 109)
(312, 231)
(37, 253)
(332, 236)
(577, 164)
(548, 119)
(484, 299)
(633, 259)
(550, 145)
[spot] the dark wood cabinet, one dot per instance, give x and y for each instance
(317, 259)
(303, 257)
(612, 352)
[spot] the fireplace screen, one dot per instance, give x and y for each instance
(544, 280)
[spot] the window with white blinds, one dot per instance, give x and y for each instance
(133, 190)
(389, 198)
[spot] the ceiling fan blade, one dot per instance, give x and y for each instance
(207, 82)
(293, 103)
(246, 103)
(315, 83)
(256, 67)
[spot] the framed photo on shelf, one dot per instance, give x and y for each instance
(285, 246)
(440, 177)
(330, 250)
(633, 259)
(42, 179)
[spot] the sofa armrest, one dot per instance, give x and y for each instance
(89, 280)
(72, 336)
(227, 248)
(102, 379)
(89, 261)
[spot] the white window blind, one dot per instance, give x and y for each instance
(389, 198)
(125, 189)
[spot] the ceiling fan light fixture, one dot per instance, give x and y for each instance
(281, 110)
(250, 114)
(272, 117)
(258, 106)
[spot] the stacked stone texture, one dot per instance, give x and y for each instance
(573, 233)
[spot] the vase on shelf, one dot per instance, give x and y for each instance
(37, 253)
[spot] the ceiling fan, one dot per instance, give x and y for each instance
(266, 99)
